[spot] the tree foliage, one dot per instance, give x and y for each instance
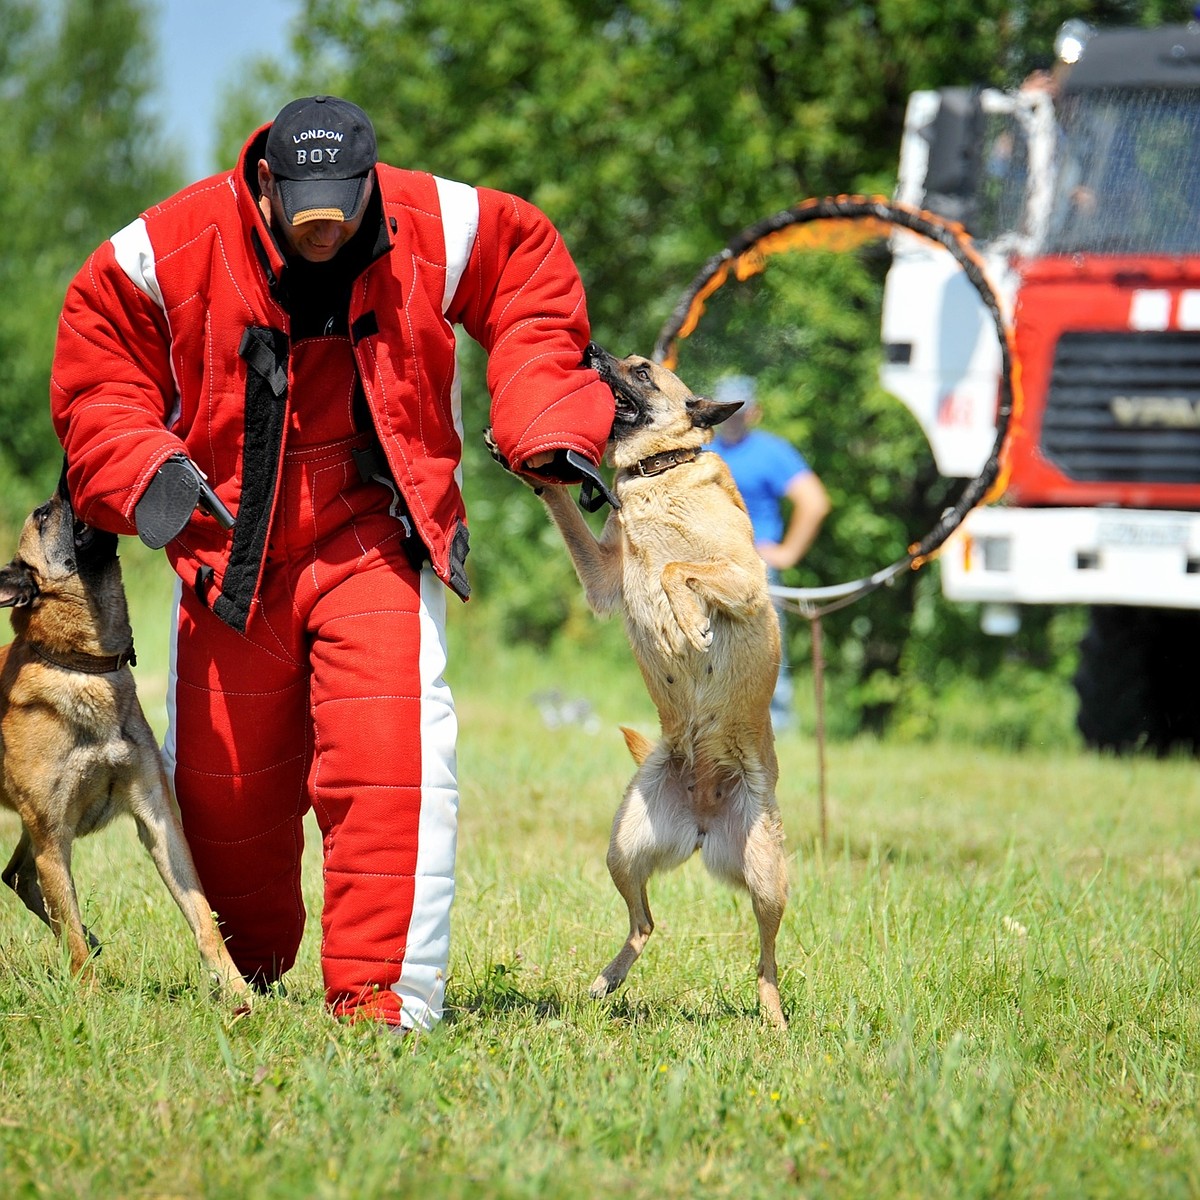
(651, 132)
(84, 158)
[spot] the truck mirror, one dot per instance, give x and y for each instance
(955, 136)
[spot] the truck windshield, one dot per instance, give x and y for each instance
(1129, 173)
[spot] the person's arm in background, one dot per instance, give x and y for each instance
(810, 507)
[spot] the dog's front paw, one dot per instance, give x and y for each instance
(230, 988)
(700, 635)
(603, 986)
(493, 449)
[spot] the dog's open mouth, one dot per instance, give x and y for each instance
(82, 535)
(627, 409)
(93, 547)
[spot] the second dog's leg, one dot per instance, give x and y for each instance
(21, 876)
(162, 835)
(61, 906)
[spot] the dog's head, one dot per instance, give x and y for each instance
(57, 554)
(655, 410)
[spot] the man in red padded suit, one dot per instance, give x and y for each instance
(281, 335)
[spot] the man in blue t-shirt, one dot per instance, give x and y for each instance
(769, 471)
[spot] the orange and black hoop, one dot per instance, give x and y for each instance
(844, 223)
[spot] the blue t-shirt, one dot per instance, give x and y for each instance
(763, 467)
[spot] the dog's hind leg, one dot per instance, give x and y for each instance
(752, 857)
(651, 832)
(641, 926)
(767, 881)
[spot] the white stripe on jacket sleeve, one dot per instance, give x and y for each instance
(460, 223)
(135, 256)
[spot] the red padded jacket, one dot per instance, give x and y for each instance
(173, 339)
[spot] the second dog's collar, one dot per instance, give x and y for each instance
(88, 664)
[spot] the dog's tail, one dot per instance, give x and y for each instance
(639, 745)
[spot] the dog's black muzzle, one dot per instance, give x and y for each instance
(600, 361)
(93, 547)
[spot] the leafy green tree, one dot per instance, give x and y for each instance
(83, 159)
(653, 131)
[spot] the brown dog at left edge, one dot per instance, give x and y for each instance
(75, 745)
(677, 560)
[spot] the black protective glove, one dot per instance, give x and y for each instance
(174, 494)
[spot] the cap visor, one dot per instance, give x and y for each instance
(321, 199)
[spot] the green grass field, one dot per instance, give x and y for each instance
(991, 974)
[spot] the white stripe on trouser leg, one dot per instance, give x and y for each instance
(422, 983)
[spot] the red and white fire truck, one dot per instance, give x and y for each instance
(1081, 191)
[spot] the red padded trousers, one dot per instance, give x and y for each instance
(333, 699)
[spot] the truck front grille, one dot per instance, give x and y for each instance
(1125, 408)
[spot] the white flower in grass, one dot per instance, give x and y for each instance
(1013, 926)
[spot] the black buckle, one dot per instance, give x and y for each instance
(593, 491)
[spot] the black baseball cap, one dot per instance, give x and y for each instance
(321, 150)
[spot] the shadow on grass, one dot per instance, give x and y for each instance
(498, 994)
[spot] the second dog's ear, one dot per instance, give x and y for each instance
(706, 413)
(17, 586)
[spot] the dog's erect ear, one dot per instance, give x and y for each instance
(17, 586)
(706, 413)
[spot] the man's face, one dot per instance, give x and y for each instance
(316, 241)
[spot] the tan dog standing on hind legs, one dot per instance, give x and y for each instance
(677, 559)
(75, 745)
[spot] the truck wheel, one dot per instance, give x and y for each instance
(1176, 652)
(1133, 680)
